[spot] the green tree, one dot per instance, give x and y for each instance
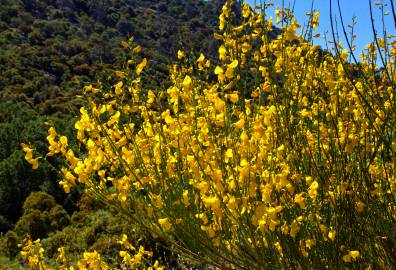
(19, 123)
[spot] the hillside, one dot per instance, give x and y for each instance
(49, 49)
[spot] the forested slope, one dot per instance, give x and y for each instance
(50, 49)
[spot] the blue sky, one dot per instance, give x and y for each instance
(349, 8)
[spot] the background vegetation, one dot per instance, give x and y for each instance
(50, 49)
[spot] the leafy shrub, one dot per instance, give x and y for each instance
(58, 217)
(9, 244)
(89, 230)
(87, 203)
(19, 122)
(41, 216)
(39, 201)
(33, 223)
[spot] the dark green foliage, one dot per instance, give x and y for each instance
(39, 201)
(33, 223)
(87, 203)
(9, 245)
(90, 230)
(58, 217)
(17, 180)
(20, 123)
(100, 229)
(41, 215)
(50, 49)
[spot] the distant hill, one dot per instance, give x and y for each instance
(50, 48)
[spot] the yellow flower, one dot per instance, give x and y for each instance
(294, 229)
(137, 49)
(234, 97)
(220, 73)
(230, 69)
(240, 124)
(352, 255)
(180, 54)
(300, 200)
(141, 66)
(278, 247)
(26, 148)
(118, 88)
(305, 113)
(360, 207)
(34, 163)
(233, 64)
(201, 61)
(29, 156)
(228, 155)
(315, 20)
(246, 47)
(165, 224)
(120, 74)
(222, 53)
(212, 202)
(221, 22)
(290, 32)
(313, 189)
(187, 82)
(246, 10)
(310, 243)
(151, 97)
(186, 200)
(331, 235)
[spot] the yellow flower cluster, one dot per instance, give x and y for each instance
(29, 156)
(270, 155)
(91, 261)
(136, 260)
(33, 253)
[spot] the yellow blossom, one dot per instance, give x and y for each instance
(300, 200)
(180, 54)
(141, 66)
(315, 20)
(29, 156)
(234, 97)
(352, 255)
(137, 49)
(222, 53)
(165, 224)
(331, 235)
(246, 10)
(187, 82)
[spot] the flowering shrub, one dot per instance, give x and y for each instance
(132, 258)
(33, 253)
(279, 156)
